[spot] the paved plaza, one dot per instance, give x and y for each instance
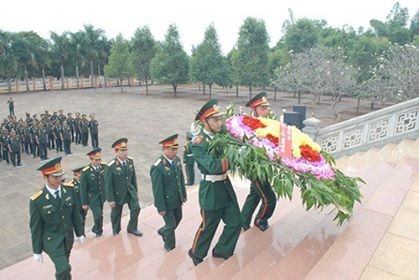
(145, 120)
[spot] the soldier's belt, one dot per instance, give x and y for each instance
(214, 178)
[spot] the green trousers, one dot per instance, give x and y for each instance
(83, 214)
(167, 232)
(190, 174)
(97, 211)
(259, 191)
(61, 261)
(228, 239)
(116, 213)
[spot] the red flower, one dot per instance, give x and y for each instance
(309, 154)
(253, 123)
(273, 139)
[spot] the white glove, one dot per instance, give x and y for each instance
(38, 258)
(81, 239)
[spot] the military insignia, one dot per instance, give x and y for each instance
(118, 169)
(111, 162)
(36, 195)
(157, 162)
(68, 184)
(166, 168)
(65, 190)
(47, 206)
(84, 169)
(198, 139)
(47, 196)
(68, 198)
(130, 158)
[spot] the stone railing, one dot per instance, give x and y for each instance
(375, 129)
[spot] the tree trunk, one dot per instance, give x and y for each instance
(44, 85)
(174, 89)
(299, 97)
(26, 79)
(358, 103)
(203, 88)
(276, 89)
(62, 76)
(120, 84)
(104, 80)
(250, 91)
(77, 76)
(210, 90)
(98, 74)
(91, 73)
(294, 94)
(146, 85)
(9, 85)
(237, 91)
(199, 86)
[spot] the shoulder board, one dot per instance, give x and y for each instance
(85, 168)
(104, 163)
(198, 139)
(157, 162)
(111, 162)
(68, 184)
(130, 158)
(36, 195)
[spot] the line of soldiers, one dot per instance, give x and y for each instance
(35, 136)
(116, 183)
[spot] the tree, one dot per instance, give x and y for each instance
(94, 38)
(252, 64)
(143, 51)
(302, 34)
(171, 63)
(60, 50)
(119, 65)
(207, 64)
(8, 59)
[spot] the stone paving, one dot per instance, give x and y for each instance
(145, 120)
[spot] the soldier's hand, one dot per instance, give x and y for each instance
(81, 239)
(112, 204)
(85, 207)
(162, 213)
(38, 258)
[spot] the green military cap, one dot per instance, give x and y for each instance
(258, 100)
(189, 135)
(210, 109)
(52, 167)
(120, 144)
(95, 153)
(170, 141)
(77, 169)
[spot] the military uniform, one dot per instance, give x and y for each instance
(42, 139)
(121, 187)
(4, 139)
(169, 192)
(75, 184)
(70, 122)
(189, 161)
(94, 132)
(14, 149)
(58, 138)
(259, 190)
(84, 130)
(54, 217)
(217, 198)
(92, 184)
(66, 136)
(77, 129)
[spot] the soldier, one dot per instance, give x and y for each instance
(188, 160)
(54, 216)
(61, 117)
(217, 198)
(93, 126)
(75, 183)
(51, 135)
(11, 103)
(14, 148)
(42, 140)
(259, 189)
(121, 187)
(4, 139)
(54, 117)
(77, 123)
(168, 189)
(84, 130)
(27, 139)
(70, 122)
(66, 136)
(58, 138)
(92, 185)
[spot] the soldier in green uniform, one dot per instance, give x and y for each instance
(54, 217)
(121, 188)
(188, 160)
(75, 183)
(217, 198)
(169, 192)
(94, 131)
(4, 140)
(259, 190)
(66, 136)
(92, 184)
(84, 130)
(42, 140)
(14, 148)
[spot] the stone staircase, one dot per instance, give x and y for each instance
(380, 242)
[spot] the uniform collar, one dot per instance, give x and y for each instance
(169, 160)
(52, 191)
(209, 134)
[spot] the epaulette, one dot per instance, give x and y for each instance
(111, 162)
(85, 168)
(198, 139)
(36, 195)
(157, 162)
(104, 163)
(130, 158)
(68, 184)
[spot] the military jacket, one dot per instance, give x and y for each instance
(53, 221)
(168, 184)
(14, 143)
(187, 154)
(119, 181)
(92, 185)
(93, 125)
(212, 195)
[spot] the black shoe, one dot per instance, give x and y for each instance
(216, 255)
(262, 227)
(161, 234)
(195, 260)
(135, 232)
(168, 249)
(245, 227)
